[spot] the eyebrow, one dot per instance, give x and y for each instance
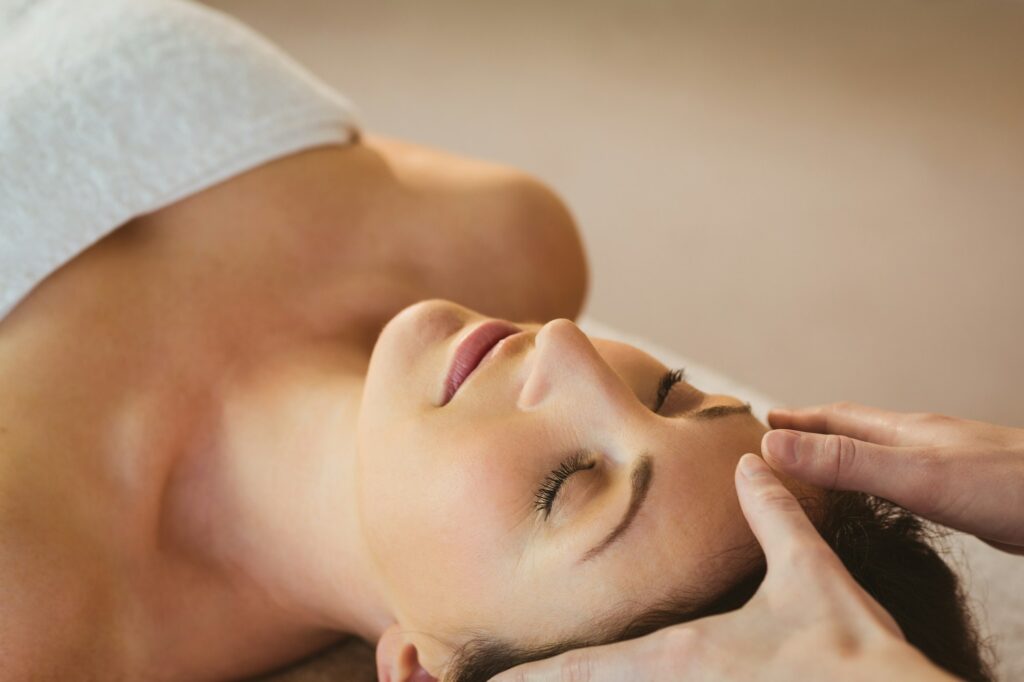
(643, 472)
(640, 480)
(716, 411)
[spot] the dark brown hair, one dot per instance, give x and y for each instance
(887, 550)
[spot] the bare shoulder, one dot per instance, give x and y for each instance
(513, 221)
(419, 221)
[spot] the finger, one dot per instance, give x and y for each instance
(778, 521)
(634, 659)
(910, 477)
(848, 419)
(793, 545)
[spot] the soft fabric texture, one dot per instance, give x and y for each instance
(110, 109)
(994, 579)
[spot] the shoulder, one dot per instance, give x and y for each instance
(515, 224)
(545, 235)
(479, 233)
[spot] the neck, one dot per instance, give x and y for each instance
(269, 508)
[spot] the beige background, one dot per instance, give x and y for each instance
(823, 199)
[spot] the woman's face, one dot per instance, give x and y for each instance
(456, 497)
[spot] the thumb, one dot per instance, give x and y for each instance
(904, 475)
(778, 521)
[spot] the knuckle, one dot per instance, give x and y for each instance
(842, 451)
(933, 428)
(932, 480)
(903, 429)
(921, 418)
(834, 412)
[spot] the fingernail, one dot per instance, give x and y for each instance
(752, 466)
(781, 443)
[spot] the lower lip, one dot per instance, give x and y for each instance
(471, 352)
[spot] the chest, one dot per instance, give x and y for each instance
(77, 472)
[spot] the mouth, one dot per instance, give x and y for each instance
(472, 351)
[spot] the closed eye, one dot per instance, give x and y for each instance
(668, 380)
(544, 498)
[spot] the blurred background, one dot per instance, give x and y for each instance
(823, 199)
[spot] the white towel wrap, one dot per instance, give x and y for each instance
(110, 109)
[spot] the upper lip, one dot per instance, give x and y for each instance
(472, 350)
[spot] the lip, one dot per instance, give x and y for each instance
(471, 352)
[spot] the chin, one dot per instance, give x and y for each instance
(407, 363)
(424, 324)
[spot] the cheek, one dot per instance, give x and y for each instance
(438, 520)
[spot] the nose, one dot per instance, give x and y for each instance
(567, 367)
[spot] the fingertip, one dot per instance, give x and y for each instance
(762, 497)
(775, 516)
(780, 447)
(751, 466)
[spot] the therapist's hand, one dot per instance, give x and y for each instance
(963, 474)
(809, 619)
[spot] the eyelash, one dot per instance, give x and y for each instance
(545, 496)
(668, 380)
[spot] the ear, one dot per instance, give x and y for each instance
(397, 658)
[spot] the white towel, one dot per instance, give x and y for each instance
(110, 109)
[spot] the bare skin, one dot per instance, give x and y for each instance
(111, 370)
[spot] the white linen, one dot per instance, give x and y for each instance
(110, 109)
(994, 580)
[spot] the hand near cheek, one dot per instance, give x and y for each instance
(808, 620)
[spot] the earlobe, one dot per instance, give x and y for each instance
(398, 660)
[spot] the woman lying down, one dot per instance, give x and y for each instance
(242, 418)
